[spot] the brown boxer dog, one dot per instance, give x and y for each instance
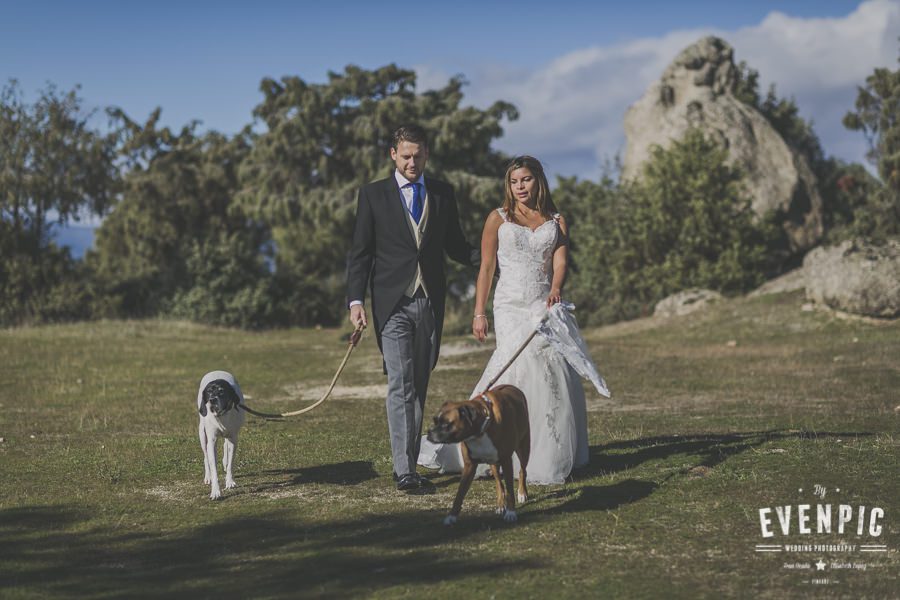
(489, 428)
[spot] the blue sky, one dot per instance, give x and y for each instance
(204, 60)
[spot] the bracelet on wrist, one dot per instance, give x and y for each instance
(478, 316)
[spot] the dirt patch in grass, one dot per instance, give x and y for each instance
(699, 472)
(304, 392)
(465, 348)
(180, 493)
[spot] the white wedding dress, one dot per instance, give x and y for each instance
(548, 369)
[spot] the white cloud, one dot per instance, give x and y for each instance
(572, 107)
(430, 78)
(822, 54)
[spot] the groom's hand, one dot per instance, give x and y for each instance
(358, 315)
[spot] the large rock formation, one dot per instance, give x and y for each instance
(697, 90)
(857, 277)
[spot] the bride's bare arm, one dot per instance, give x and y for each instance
(560, 262)
(486, 274)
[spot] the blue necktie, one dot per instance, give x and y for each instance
(417, 202)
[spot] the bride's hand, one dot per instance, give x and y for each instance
(480, 327)
(555, 297)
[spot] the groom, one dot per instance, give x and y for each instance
(404, 225)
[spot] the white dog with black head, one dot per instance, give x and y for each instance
(219, 403)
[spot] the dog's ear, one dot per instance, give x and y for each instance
(202, 408)
(467, 414)
(231, 397)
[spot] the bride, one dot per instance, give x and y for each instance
(529, 240)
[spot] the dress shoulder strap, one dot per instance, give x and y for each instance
(503, 214)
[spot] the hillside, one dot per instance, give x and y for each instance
(714, 416)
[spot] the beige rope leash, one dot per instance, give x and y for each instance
(514, 356)
(354, 340)
(509, 363)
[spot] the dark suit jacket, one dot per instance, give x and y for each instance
(384, 253)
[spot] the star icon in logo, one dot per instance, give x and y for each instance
(820, 566)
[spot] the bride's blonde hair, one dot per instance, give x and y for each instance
(543, 200)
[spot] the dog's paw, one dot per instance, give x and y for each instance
(510, 516)
(450, 520)
(499, 510)
(522, 498)
(215, 494)
(229, 483)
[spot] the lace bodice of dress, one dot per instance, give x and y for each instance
(525, 258)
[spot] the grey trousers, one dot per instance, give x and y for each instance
(407, 342)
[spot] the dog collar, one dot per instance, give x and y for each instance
(488, 411)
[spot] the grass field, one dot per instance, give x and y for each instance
(713, 417)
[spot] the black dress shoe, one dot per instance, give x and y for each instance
(408, 482)
(425, 485)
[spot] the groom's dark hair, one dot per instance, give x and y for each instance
(410, 133)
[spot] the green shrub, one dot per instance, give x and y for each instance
(687, 222)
